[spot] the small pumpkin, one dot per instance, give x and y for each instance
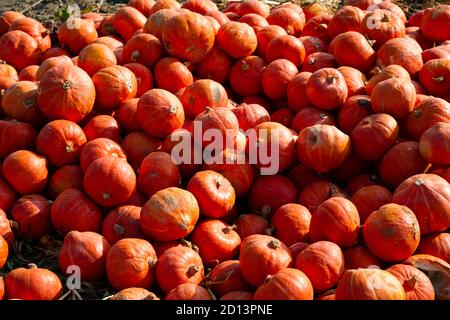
(436, 245)
(359, 257)
(435, 77)
(435, 21)
(318, 192)
(188, 291)
(290, 20)
(127, 20)
(28, 73)
(250, 224)
(355, 80)
(347, 18)
(102, 126)
(143, 48)
(434, 144)
(5, 229)
(296, 92)
(172, 75)
(7, 196)
(404, 52)
(19, 49)
(122, 222)
(134, 293)
(15, 135)
(286, 47)
(394, 96)
(368, 199)
(327, 89)
(99, 148)
(66, 177)
(416, 284)
(276, 76)
(157, 21)
(237, 39)
(76, 33)
(95, 57)
(381, 25)
(291, 223)
(137, 145)
(143, 76)
(318, 60)
(4, 250)
(246, 76)
(353, 111)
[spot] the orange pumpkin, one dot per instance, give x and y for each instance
(122, 222)
(437, 245)
(327, 89)
(290, 20)
(76, 33)
(143, 48)
(416, 284)
(347, 18)
(157, 21)
(435, 77)
(7, 18)
(291, 223)
(67, 177)
(134, 293)
(359, 257)
(127, 20)
(215, 66)
(98, 148)
(50, 63)
(19, 49)
(237, 39)
(144, 6)
(96, 56)
(355, 80)
(275, 78)
(368, 199)
(15, 135)
(353, 111)
(381, 25)
(434, 23)
(172, 74)
(4, 250)
(245, 76)
(28, 73)
(137, 146)
(35, 29)
(318, 192)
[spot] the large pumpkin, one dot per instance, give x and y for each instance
(335, 220)
(287, 284)
(262, 255)
(19, 49)
(433, 212)
(73, 210)
(109, 181)
(435, 22)
(170, 214)
(131, 263)
(416, 284)
(35, 29)
(392, 232)
(32, 284)
(88, 251)
(381, 25)
(66, 92)
(369, 284)
(26, 171)
(188, 36)
(178, 265)
(323, 147)
(404, 52)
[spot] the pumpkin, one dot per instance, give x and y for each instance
(5, 229)
(4, 250)
(353, 111)
(291, 223)
(137, 145)
(15, 135)
(61, 142)
(131, 263)
(352, 49)
(122, 222)
(134, 293)
(317, 27)
(188, 36)
(435, 75)
(359, 257)
(7, 18)
(401, 162)
(159, 113)
(296, 92)
(199, 6)
(188, 291)
(95, 57)
(395, 227)
(170, 214)
(286, 47)
(26, 171)
(7, 196)
(237, 39)
(157, 21)
(369, 284)
(246, 76)
(416, 284)
(106, 27)
(32, 214)
(5, 83)
(8, 71)
(403, 52)
(88, 251)
(50, 63)
(425, 115)
(347, 18)
(436, 245)
(322, 147)
(94, 16)
(388, 72)
(20, 102)
(318, 60)
(435, 53)
(287, 284)
(254, 6)
(35, 29)
(55, 52)
(265, 35)
(224, 123)
(435, 21)
(323, 263)
(178, 265)
(99, 148)
(355, 80)
(201, 94)
(217, 241)
(276, 76)
(325, 225)
(433, 211)
(215, 66)
(318, 192)
(214, 193)
(19, 49)
(302, 176)
(28, 73)
(114, 85)
(313, 45)
(66, 177)
(360, 181)
(219, 16)
(250, 115)
(143, 76)
(143, 48)
(374, 135)
(390, 6)
(380, 25)
(2, 288)
(172, 74)
(227, 277)
(164, 4)
(290, 20)
(368, 199)
(254, 20)
(126, 115)
(32, 284)
(109, 181)
(327, 89)
(250, 224)
(66, 92)
(351, 168)
(102, 126)
(262, 255)
(157, 172)
(416, 34)
(73, 210)
(76, 33)
(234, 168)
(127, 20)
(434, 144)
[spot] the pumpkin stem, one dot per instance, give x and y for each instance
(69, 148)
(118, 229)
(32, 266)
(228, 229)
(270, 231)
(2, 62)
(274, 244)
(2, 92)
(67, 85)
(218, 183)
(135, 55)
(130, 86)
(151, 262)
(419, 182)
(417, 113)
(172, 109)
(385, 18)
(438, 78)
(28, 102)
(106, 195)
(427, 168)
(323, 115)
(268, 277)
(245, 66)
(311, 61)
(265, 210)
(410, 283)
(363, 103)
(331, 79)
(193, 270)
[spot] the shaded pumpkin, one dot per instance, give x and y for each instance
(416, 284)
(296, 92)
(276, 76)
(19, 49)
(318, 192)
(14, 136)
(122, 222)
(369, 199)
(134, 293)
(66, 177)
(291, 223)
(137, 145)
(188, 291)
(434, 144)
(246, 76)
(102, 126)
(359, 257)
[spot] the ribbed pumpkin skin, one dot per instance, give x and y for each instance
(170, 214)
(291, 223)
(19, 49)
(288, 284)
(416, 284)
(66, 92)
(227, 277)
(75, 39)
(188, 291)
(361, 284)
(433, 212)
(369, 199)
